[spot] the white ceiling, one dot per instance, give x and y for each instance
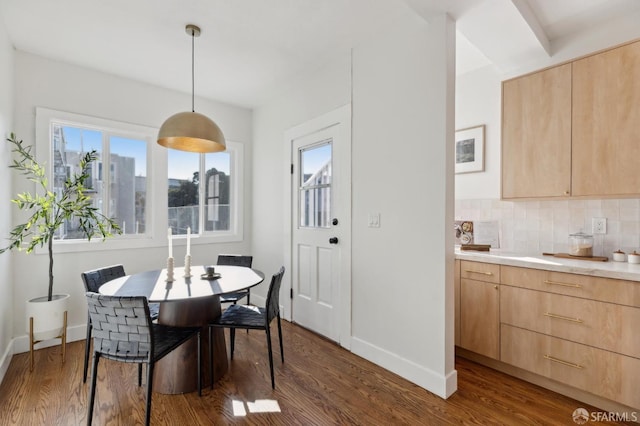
(249, 49)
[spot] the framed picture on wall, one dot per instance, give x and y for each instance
(470, 150)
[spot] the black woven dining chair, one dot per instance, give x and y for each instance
(123, 331)
(235, 260)
(252, 318)
(92, 281)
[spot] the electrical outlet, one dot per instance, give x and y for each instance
(599, 225)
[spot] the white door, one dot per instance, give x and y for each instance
(320, 219)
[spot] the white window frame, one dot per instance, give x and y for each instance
(157, 186)
(236, 212)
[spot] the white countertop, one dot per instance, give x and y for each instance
(610, 269)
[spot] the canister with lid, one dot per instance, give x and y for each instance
(581, 244)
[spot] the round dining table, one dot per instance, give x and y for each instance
(187, 302)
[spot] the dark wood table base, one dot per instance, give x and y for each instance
(169, 376)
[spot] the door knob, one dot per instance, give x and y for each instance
(333, 240)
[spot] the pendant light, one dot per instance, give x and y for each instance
(191, 131)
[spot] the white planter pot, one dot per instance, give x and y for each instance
(48, 316)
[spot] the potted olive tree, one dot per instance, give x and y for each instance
(50, 210)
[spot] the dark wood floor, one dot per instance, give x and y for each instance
(319, 384)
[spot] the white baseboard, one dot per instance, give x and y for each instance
(6, 360)
(443, 386)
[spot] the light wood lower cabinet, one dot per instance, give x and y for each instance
(480, 308)
(603, 373)
(456, 292)
(577, 330)
(602, 325)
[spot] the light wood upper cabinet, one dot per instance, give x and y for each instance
(606, 123)
(574, 129)
(536, 134)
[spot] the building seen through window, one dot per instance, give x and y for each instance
(204, 205)
(117, 184)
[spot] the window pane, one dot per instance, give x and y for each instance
(316, 165)
(217, 191)
(70, 144)
(128, 190)
(315, 186)
(183, 191)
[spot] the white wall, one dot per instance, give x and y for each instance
(403, 110)
(478, 102)
(402, 283)
(60, 86)
(6, 124)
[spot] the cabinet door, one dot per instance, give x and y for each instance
(456, 292)
(606, 123)
(479, 317)
(536, 134)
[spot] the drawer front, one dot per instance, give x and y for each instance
(599, 372)
(487, 272)
(603, 289)
(603, 325)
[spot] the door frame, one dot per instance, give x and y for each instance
(341, 118)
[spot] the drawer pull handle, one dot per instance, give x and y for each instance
(567, 363)
(562, 284)
(478, 272)
(562, 317)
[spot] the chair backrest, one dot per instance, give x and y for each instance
(121, 327)
(235, 260)
(94, 279)
(273, 296)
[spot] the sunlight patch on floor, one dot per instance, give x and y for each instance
(240, 408)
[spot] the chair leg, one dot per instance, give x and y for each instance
(139, 374)
(147, 418)
(248, 302)
(273, 381)
(199, 371)
(92, 391)
(232, 333)
(211, 356)
(87, 344)
(280, 336)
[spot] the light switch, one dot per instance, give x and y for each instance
(374, 220)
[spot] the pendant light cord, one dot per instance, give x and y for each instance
(193, 87)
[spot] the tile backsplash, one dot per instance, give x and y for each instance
(544, 226)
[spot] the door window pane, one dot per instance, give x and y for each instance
(184, 181)
(315, 186)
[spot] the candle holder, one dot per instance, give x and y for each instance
(187, 266)
(169, 270)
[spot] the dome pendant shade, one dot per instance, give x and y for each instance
(191, 131)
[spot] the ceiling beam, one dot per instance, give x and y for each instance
(534, 24)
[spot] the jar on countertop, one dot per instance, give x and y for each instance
(633, 257)
(619, 256)
(581, 245)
